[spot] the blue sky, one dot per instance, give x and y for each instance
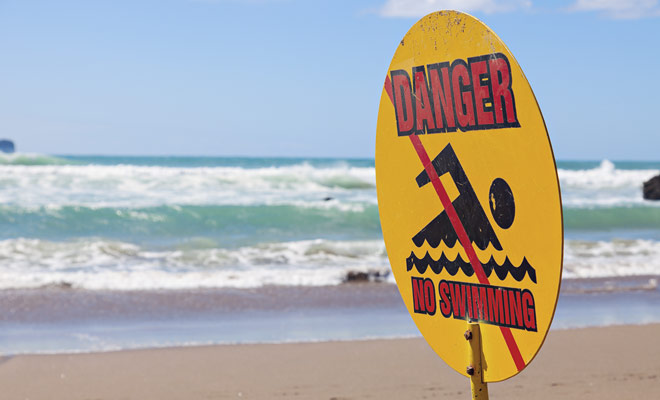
(302, 78)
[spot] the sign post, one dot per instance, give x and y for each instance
(469, 197)
(478, 387)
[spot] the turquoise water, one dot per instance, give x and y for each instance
(118, 222)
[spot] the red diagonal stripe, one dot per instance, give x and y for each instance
(388, 88)
(460, 230)
(465, 240)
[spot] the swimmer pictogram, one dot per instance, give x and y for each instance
(476, 223)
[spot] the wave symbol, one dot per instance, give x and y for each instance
(452, 267)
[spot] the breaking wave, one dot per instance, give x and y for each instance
(97, 264)
(151, 186)
(103, 264)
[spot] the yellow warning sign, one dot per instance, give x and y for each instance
(468, 194)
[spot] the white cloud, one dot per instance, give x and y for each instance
(620, 9)
(419, 8)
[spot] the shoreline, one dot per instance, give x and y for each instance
(413, 336)
(590, 363)
(60, 303)
(56, 321)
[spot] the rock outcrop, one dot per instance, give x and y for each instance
(652, 188)
(6, 146)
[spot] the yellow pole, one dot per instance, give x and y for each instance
(474, 369)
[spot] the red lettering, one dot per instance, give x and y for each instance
(403, 102)
(477, 312)
(458, 300)
(445, 303)
(424, 114)
(468, 295)
(429, 296)
(441, 97)
(418, 295)
(479, 69)
(529, 310)
(460, 80)
(500, 81)
(515, 307)
(441, 94)
(483, 306)
(495, 305)
(505, 296)
(423, 296)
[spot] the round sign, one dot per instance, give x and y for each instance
(468, 194)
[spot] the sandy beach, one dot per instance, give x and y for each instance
(621, 362)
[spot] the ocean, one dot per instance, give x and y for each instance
(109, 252)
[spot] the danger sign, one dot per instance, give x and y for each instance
(468, 194)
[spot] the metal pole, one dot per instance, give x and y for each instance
(474, 369)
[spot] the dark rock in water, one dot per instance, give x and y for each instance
(327, 198)
(6, 146)
(652, 188)
(58, 285)
(358, 276)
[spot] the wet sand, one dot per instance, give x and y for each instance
(61, 303)
(595, 363)
(60, 320)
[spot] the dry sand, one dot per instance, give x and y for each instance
(596, 363)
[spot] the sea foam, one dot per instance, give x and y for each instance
(338, 185)
(97, 264)
(79, 224)
(604, 186)
(150, 186)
